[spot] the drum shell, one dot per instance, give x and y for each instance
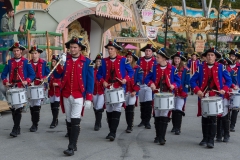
(35, 92)
(235, 101)
(114, 96)
(212, 107)
(16, 96)
(163, 101)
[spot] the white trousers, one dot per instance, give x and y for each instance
(114, 107)
(73, 107)
(145, 93)
(98, 101)
(129, 99)
(35, 102)
(54, 98)
(17, 106)
(179, 102)
(161, 113)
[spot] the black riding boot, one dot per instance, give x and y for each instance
(173, 121)
(35, 113)
(114, 124)
(163, 128)
(17, 116)
(204, 132)
(66, 135)
(212, 131)
(178, 122)
(233, 120)
(109, 120)
(157, 129)
(75, 130)
(98, 116)
(219, 129)
(143, 114)
(55, 111)
(148, 112)
(225, 124)
(129, 114)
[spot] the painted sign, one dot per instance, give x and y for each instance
(151, 32)
(199, 46)
(114, 9)
(147, 15)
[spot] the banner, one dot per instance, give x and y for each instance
(147, 15)
(199, 46)
(151, 32)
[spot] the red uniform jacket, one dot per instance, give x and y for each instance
(98, 86)
(54, 91)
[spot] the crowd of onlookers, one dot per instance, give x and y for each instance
(28, 22)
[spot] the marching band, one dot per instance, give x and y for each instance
(75, 82)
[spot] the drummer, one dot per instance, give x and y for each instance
(145, 93)
(20, 74)
(206, 80)
(133, 86)
(223, 119)
(114, 72)
(54, 92)
(41, 70)
(165, 77)
(193, 64)
(234, 69)
(98, 97)
(181, 92)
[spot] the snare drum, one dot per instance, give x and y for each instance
(235, 100)
(35, 92)
(16, 96)
(212, 106)
(114, 96)
(163, 101)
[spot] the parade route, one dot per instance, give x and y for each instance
(48, 144)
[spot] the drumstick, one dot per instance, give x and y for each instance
(216, 91)
(119, 79)
(21, 80)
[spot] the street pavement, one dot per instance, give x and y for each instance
(48, 144)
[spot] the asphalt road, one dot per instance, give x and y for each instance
(48, 144)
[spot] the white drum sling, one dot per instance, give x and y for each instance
(212, 106)
(164, 101)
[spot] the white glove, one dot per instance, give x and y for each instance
(63, 57)
(88, 104)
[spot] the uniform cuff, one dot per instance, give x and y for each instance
(5, 81)
(196, 89)
(175, 85)
(150, 83)
(89, 97)
(127, 78)
(28, 80)
(136, 88)
(225, 88)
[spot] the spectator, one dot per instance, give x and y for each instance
(7, 25)
(28, 22)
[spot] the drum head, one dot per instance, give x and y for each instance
(163, 94)
(16, 90)
(214, 98)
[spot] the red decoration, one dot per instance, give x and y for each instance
(179, 53)
(34, 48)
(16, 44)
(150, 45)
(110, 42)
